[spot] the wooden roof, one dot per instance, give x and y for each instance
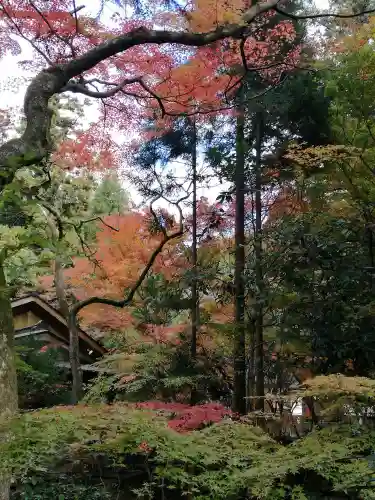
(56, 323)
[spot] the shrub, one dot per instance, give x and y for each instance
(230, 460)
(41, 382)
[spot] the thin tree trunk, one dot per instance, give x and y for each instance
(194, 286)
(8, 375)
(239, 354)
(4, 488)
(259, 281)
(77, 382)
(75, 365)
(60, 288)
(250, 391)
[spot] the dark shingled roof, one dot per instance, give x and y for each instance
(53, 318)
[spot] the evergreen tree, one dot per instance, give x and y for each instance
(109, 197)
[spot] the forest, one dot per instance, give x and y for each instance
(187, 250)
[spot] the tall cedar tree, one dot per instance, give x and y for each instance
(295, 110)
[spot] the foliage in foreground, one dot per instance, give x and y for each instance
(230, 459)
(41, 382)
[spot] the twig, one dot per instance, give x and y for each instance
(52, 30)
(321, 16)
(40, 52)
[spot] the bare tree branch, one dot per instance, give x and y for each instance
(19, 31)
(56, 215)
(75, 11)
(93, 219)
(323, 15)
(80, 88)
(243, 55)
(155, 96)
(74, 14)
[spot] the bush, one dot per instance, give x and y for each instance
(59, 487)
(41, 382)
(228, 460)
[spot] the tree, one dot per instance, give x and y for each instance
(71, 48)
(118, 260)
(49, 193)
(239, 394)
(109, 197)
(295, 110)
(194, 251)
(331, 221)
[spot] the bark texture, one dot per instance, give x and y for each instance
(259, 279)
(239, 348)
(8, 377)
(194, 287)
(75, 364)
(57, 231)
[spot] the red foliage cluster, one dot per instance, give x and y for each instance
(91, 150)
(200, 80)
(185, 79)
(287, 202)
(187, 418)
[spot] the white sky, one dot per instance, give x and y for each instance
(14, 80)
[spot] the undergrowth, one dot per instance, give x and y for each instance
(229, 459)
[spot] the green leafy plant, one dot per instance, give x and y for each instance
(41, 382)
(232, 459)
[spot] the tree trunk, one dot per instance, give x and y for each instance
(250, 379)
(239, 354)
(77, 383)
(8, 376)
(75, 365)
(259, 281)
(194, 285)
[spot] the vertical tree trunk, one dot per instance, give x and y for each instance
(259, 281)
(75, 365)
(194, 286)
(77, 382)
(8, 376)
(239, 392)
(250, 379)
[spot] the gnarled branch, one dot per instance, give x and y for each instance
(34, 144)
(80, 88)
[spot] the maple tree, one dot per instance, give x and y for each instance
(119, 258)
(187, 418)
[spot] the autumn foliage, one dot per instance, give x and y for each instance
(185, 418)
(119, 258)
(161, 82)
(202, 81)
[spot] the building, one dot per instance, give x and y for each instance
(35, 319)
